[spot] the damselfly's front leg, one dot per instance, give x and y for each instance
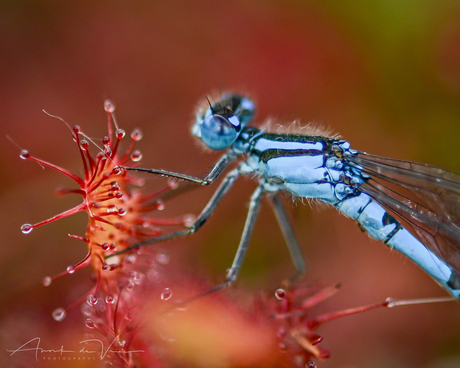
(218, 168)
(201, 219)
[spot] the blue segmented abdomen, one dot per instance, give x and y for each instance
(379, 224)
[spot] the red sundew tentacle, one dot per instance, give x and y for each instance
(315, 322)
(117, 303)
(114, 213)
(81, 150)
(105, 177)
(81, 207)
(307, 345)
(120, 133)
(136, 136)
(76, 178)
(319, 297)
(101, 219)
(147, 234)
(78, 237)
(91, 162)
(126, 157)
(71, 191)
(71, 269)
(146, 198)
(81, 300)
(109, 107)
(157, 206)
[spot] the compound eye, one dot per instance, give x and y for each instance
(217, 132)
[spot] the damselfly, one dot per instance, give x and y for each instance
(364, 187)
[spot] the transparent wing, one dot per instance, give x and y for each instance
(425, 197)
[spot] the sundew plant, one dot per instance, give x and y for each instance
(132, 308)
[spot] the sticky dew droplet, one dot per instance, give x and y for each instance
(114, 185)
(26, 228)
(282, 346)
(172, 184)
(112, 209)
(47, 280)
(90, 323)
(162, 257)
(166, 294)
(70, 269)
(120, 133)
(131, 258)
(91, 300)
(136, 156)
(188, 220)
(24, 154)
(76, 129)
(109, 299)
(280, 294)
(109, 106)
(59, 314)
(108, 267)
(84, 145)
(136, 135)
(107, 150)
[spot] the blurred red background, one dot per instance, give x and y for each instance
(385, 75)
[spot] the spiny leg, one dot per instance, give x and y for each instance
(232, 274)
(223, 162)
(223, 188)
(289, 236)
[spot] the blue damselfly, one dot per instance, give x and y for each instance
(372, 190)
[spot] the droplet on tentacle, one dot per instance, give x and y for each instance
(26, 228)
(59, 314)
(24, 154)
(136, 135)
(84, 145)
(120, 133)
(166, 294)
(189, 220)
(280, 294)
(162, 257)
(109, 299)
(109, 106)
(89, 323)
(136, 156)
(47, 281)
(91, 300)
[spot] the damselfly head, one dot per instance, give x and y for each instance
(219, 123)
